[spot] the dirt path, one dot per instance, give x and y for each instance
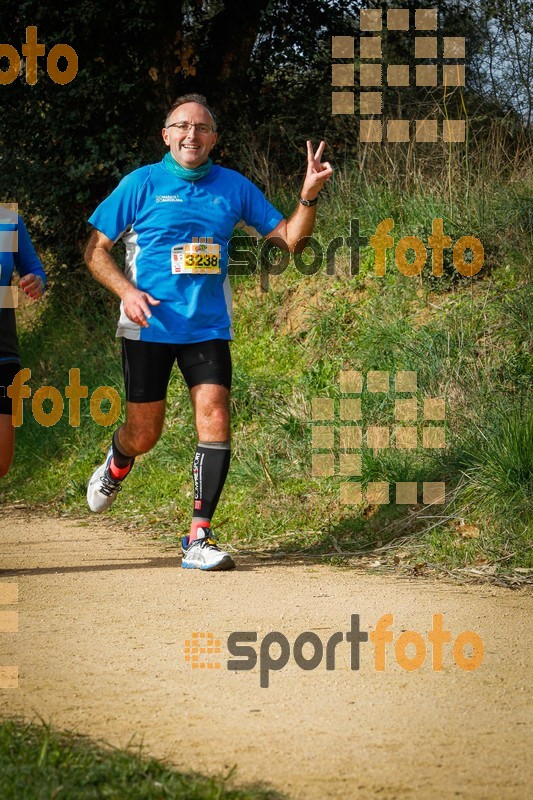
(104, 615)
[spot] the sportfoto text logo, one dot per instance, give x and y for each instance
(32, 50)
(74, 392)
(410, 254)
(409, 650)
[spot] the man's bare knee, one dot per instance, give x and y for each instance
(215, 414)
(146, 440)
(138, 440)
(143, 427)
(214, 427)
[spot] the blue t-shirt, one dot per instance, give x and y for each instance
(24, 260)
(161, 219)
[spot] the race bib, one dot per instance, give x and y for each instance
(196, 258)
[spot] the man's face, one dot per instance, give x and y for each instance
(190, 148)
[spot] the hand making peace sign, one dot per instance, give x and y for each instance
(317, 173)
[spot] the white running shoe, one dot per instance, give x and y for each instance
(102, 489)
(204, 554)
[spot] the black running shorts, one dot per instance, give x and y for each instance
(147, 366)
(7, 374)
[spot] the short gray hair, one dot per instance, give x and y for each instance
(191, 98)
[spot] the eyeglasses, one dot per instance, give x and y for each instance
(185, 127)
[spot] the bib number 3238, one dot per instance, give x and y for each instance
(196, 258)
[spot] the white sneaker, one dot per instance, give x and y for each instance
(204, 554)
(102, 489)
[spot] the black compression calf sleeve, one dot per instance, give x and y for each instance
(209, 471)
(121, 459)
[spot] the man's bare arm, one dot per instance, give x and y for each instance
(105, 269)
(301, 223)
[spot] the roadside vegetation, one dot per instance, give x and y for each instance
(38, 762)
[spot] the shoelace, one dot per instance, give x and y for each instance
(208, 542)
(109, 485)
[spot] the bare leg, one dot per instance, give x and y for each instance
(211, 412)
(7, 443)
(143, 427)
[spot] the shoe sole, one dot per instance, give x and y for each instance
(225, 563)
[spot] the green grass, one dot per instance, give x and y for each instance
(497, 463)
(37, 762)
(469, 340)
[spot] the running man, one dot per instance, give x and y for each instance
(26, 262)
(176, 218)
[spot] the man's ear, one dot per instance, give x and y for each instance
(164, 134)
(215, 134)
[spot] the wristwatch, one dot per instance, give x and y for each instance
(309, 202)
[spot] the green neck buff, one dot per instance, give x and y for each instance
(170, 163)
